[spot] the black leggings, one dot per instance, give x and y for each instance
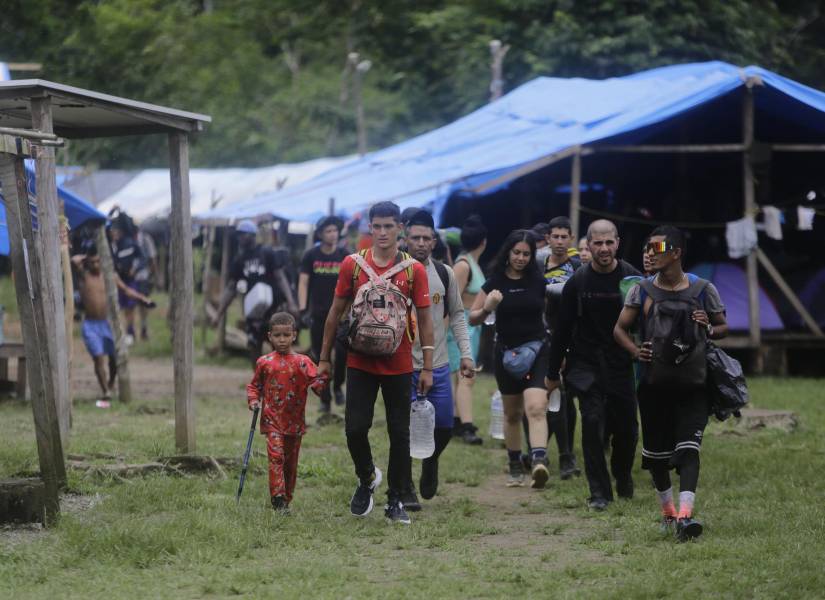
(362, 391)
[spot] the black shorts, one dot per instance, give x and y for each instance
(509, 385)
(673, 423)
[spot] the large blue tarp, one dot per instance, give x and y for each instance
(542, 117)
(77, 210)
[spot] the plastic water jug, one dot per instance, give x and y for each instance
(422, 428)
(554, 405)
(496, 416)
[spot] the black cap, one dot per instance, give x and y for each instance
(325, 222)
(421, 217)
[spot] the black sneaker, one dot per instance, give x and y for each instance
(280, 505)
(567, 467)
(394, 511)
(540, 474)
(469, 436)
(667, 524)
(516, 477)
(688, 528)
(362, 502)
(428, 485)
(597, 504)
(340, 400)
(410, 500)
(624, 487)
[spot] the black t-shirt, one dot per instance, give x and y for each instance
(128, 258)
(257, 264)
(519, 315)
(590, 306)
(323, 275)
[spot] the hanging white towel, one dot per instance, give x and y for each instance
(773, 222)
(805, 218)
(741, 237)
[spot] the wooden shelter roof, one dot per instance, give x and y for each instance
(80, 113)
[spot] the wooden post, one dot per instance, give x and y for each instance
(25, 258)
(107, 266)
(225, 250)
(181, 296)
(750, 210)
(789, 293)
(575, 193)
(497, 54)
(68, 309)
(48, 238)
(207, 270)
(331, 206)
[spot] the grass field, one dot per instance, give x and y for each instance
(760, 497)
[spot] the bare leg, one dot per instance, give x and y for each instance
(513, 411)
(535, 406)
(464, 399)
(100, 373)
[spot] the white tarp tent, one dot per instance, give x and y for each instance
(147, 194)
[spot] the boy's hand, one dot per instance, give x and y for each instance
(425, 381)
(254, 405)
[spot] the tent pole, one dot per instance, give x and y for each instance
(226, 243)
(750, 210)
(575, 193)
(331, 210)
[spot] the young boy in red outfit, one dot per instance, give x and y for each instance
(279, 386)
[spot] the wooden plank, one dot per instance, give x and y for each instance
(789, 293)
(575, 193)
(754, 325)
(22, 380)
(182, 291)
(107, 266)
(51, 273)
(669, 148)
(797, 147)
(226, 246)
(528, 168)
(25, 265)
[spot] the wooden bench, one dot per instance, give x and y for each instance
(14, 350)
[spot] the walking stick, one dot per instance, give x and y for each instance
(247, 453)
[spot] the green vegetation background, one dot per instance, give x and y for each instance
(271, 72)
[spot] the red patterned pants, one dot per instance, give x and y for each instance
(283, 463)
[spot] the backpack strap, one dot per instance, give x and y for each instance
(356, 271)
(445, 281)
(360, 261)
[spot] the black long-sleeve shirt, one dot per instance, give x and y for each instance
(590, 306)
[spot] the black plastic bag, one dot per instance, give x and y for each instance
(726, 383)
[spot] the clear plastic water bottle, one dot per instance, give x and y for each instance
(491, 319)
(496, 416)
(422, 428)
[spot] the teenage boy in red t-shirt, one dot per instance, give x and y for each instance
(393, 374)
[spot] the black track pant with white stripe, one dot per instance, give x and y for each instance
(673, 424)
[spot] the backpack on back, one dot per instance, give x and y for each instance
(678, 341)
(378, 316)
(445, 281)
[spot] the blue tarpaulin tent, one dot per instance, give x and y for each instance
(525, 129)
(78, 211)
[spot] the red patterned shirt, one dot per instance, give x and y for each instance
(280, 385)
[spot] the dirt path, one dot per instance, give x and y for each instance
(153, 379)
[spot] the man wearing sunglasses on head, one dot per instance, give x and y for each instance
(677, 312)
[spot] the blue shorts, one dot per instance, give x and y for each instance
(97, 335)
(441, 396)
(454, 354)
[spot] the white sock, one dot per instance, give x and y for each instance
(686, 504)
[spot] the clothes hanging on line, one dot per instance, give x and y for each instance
(741, 237)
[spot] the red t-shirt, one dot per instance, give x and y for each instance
(280, 386)
(400, 362)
